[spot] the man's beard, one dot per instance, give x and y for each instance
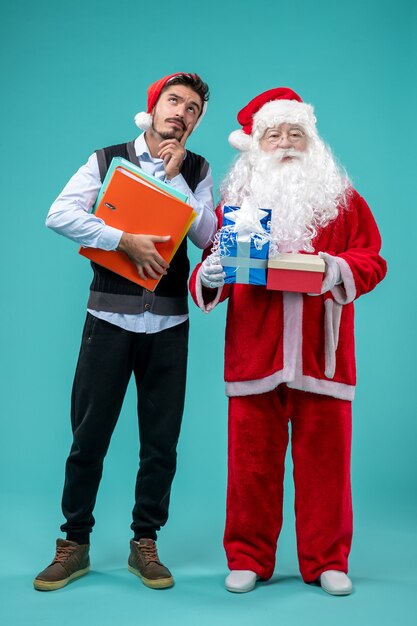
(166, 134)
(304, 192)
(169, 134)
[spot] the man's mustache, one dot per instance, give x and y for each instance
(176, 121)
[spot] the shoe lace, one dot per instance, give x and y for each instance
(150, 552)
(63, 553)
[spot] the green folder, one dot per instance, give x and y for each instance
(131, 167)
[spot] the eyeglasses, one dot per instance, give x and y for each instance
(293, 136)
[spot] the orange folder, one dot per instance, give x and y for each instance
(136, 206)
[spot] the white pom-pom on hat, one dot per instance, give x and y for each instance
(240, 140)
(143, 120)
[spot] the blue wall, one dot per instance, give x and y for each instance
(74, 74)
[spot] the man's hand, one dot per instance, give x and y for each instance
(142, 251)
(212, 272)
(172, 152)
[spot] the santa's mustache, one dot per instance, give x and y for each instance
(283, 153)
(263, 161)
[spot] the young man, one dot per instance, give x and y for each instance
(290, 356)
(130, 329)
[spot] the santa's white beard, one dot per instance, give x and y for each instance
(304, 192)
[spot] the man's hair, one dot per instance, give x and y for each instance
(194, 82)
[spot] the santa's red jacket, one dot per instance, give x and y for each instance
(275, 337)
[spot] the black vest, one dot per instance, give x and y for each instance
(114, 293)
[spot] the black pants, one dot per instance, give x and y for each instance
(108, 356)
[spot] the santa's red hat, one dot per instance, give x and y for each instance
(271, 108)
(144, 119)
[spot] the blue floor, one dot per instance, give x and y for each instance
(382, 567)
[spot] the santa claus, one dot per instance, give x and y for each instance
(289, 357)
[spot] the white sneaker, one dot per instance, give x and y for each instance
(241, 581)
(336, 583)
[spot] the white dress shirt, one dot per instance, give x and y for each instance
(69, 216)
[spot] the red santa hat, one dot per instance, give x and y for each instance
(144, 119)
(271, 108)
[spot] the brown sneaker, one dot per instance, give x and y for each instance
(144, 562)
(71, 561)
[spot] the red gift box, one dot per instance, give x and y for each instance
(295, 272)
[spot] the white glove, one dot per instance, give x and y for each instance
(212, 273)
(332, 274)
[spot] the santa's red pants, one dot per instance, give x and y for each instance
(321, 444)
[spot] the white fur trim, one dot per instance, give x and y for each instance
(143, 120)
(346, 291)
(293, 333)
(332, 316)
(254, 387)
(304, 383)
(289, 111)
(239, 140)
(206, 308)
(324, 387)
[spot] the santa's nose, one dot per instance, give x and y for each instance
(284, 141)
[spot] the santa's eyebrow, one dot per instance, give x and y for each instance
(277, 129)
(296, 127)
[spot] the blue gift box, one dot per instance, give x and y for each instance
(244, 245)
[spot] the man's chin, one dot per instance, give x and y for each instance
(171, 132)
(168, 135)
